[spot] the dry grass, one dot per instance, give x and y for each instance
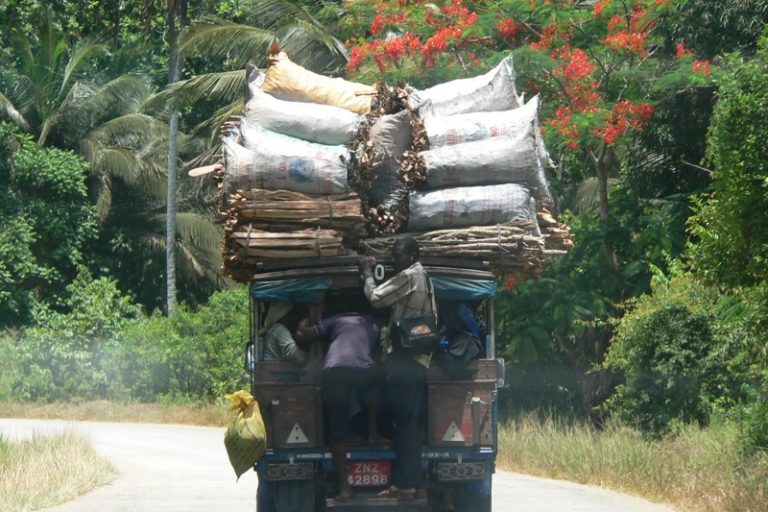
(214, 414)
(701, 470)
(48, 470)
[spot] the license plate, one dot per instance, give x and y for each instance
(369, 473)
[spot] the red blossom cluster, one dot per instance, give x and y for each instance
(625, 116)
(631, 34)
(385, 20)
(702, 66)
(681, 51)
(547, 39)
(449, 24)
(597, 9)
(562, 123)
(507, 28)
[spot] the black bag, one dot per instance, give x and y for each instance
(418, 334)
(463, 348)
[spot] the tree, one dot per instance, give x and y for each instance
(45, 222)
(730, 243)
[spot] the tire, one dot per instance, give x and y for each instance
(265, 498)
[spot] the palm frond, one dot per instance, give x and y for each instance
(212, 124)
(10, 112)
(103, 196)
(221, 39)
(313, 47)
(226, 86)
(125, 94)
(131, 130)
(198, 231)
(82, 51)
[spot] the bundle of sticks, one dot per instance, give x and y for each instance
(246, 246)
(513, 247)
(557, 236)
(282, 210)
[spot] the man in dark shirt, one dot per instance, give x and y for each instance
(348, 367)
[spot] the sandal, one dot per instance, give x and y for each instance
(390, 492)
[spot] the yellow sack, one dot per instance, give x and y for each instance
(246, 437)
(289, 81)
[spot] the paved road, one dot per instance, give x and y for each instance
(185, 469)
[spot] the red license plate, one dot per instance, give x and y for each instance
(372, 473)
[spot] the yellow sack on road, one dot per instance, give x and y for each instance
(289, 81)
(246, 437)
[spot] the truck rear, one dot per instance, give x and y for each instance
(459, 439)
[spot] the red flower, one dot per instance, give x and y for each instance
(702, 66)
(615, 22)
(632, 41)
(547, 38)
(510, 285)
(597, 10)
(507, 28)
(681, 51)
(625, 116)
(377, 24)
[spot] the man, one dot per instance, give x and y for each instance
(408, 294)
(279, 344)
(348, 367)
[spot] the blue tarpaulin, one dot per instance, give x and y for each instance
(311, 290)
(298, 291)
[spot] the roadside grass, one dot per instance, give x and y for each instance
(695, 469)
(47, 470)
(205, 414)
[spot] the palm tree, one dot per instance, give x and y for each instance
(54, 94)
(300, 34)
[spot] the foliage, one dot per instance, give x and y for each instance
(62, 356)
(104, 348)
(565, 316)
(667, 350)
(197, 354)
(45, 222)
(730, 244)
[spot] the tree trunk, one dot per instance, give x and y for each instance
(176, 14)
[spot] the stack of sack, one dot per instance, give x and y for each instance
(289, 177)
(320, 166)
(475, 175)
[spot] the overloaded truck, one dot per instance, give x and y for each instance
(318, 171)
(459, 442)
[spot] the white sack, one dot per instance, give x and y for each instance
(462, 207)
(255, 137)
(497, 94)
(483, 162)
(324, 124)
(469, 127)
(321, 172)
(460, 87)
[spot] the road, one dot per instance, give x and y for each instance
(174, 468)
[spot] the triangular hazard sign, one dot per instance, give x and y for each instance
(453, 434)
(297, 435)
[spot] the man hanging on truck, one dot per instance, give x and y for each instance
(279, 326)
(348, 367)
(407, 293)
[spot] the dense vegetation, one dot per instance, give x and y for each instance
(654, 115)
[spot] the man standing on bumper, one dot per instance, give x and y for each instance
(406, 375)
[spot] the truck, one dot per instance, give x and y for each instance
(459, 442)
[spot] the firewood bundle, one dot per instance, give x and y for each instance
(508, 248)
(245, 247)
(281, 210)
(557, 236)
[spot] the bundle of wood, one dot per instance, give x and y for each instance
(509, 248)
(269, 224)
(557, 236)
(281, 210)
(246, 246)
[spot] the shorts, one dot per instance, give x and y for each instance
(338, 386)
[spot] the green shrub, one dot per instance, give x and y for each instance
(666, 349)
